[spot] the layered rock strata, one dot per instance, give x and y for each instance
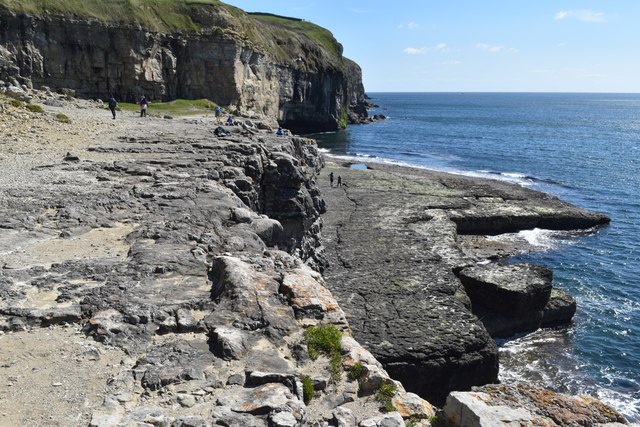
(253, 67)
(181, 254)
(394, 239)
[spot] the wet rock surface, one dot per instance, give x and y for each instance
(393, 239)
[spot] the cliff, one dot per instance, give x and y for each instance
(257, 65)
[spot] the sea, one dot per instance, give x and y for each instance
(583, 148)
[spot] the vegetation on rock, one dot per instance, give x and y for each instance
(384, 395)
(307, 389)
(356, 371)
(34, 108)
(63, 118)
(326, 340)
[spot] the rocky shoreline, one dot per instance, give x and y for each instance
(413, 267)
(153, 273)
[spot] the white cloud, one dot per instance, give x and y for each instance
(496, 48)
(409, 26)
(489, 48)
(440, 47)
(415, 50)
(584, 15)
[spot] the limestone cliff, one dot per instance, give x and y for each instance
(255, 64)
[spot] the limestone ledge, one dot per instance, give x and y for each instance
(189, 252)
(413, 265)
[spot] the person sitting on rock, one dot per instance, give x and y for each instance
(230, 121)
(280, 132)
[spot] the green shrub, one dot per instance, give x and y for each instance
(356, 372)
(384, 395)
(323, 340)
(307, 389)
(62, 118)
(16, 102)
(326, 340)
(412, 421)
(34, 108)
(342, 123)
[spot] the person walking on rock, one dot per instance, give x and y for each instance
(331, 179)
(339, 181)
(112, 105)
(218, 114)
(143, 106)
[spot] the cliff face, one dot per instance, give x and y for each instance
(254, 67)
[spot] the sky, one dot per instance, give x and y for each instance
(480, 45)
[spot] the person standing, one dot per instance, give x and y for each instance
(339, 181)
(112, 105)
(143, 106)
(218, 113)
(331, 179)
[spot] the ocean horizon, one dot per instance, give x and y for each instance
(581, 147)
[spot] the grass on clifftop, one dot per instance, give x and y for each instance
(315, 32)
(157, 15)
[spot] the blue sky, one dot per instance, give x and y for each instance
(481, 45)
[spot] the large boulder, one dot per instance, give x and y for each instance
(513, 298)
(509, 298)
(506, 405)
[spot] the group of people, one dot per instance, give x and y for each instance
(113, 104)
(143, 103)
(338, 183)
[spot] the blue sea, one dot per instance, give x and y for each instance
(583, 148)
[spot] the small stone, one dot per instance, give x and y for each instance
(186, 400)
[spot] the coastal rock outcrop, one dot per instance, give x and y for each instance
(513, 298)
(186, 257)
(258, 65)
(393, 238)
(156, 242)
(522, 404)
